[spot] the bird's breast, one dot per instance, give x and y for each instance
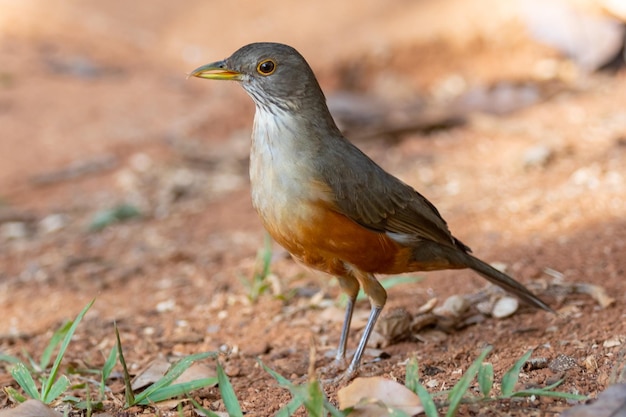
(299, 210)
(282, 177)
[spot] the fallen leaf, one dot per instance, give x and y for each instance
(596, 292)
(613, 341)
(453, 307)
(152, 373)
(30, 408)
(195, 372)
(610, 403)
(428, 306)
(373, 397)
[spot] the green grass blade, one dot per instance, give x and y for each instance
(512, 375)
(228, 394)
(47, 385)
(545, 393)
(22, 375)
(485, 379)
(314, 402)
(412, 380)
(334, 411)
(15, 395)
(203, 410)
(55, 340)
(9, 358)
(430, 409)
(58, 387)
(266, 256)
(174, 390)
(456, 394)
(129, 397)
(282, 381)
(109, 364)
(174, 372)
(291, 407)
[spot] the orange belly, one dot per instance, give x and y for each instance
(331, 242)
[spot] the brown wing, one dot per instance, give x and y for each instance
(375, 199)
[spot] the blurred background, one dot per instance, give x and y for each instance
(85, 78)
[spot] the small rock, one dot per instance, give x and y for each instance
(256, 347)
(52, 223)
(14, 230)
(538, 156)
(165, 306)
(613, 341)
(232, 370)
(562, 363)
(505, 307)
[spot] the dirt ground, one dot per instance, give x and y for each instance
(96, 112)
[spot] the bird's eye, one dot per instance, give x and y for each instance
(266, 67)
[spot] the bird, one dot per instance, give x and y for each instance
(326, 202)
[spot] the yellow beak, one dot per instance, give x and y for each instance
(216, 71)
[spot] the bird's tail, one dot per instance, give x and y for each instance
(504, 281)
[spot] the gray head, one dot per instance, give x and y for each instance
(273, 74)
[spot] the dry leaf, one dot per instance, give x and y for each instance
(610, 403)
(170, 404)
(428, 306)
(453, 307)
(613, 341)
(196, 371)
(596, 292)
(152, 373)
(30, 408)
(371, 397)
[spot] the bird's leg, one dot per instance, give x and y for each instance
(350, 286)
(378, 297)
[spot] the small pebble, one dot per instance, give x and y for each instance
(52, 223)
(14, 230)
(562, 363)
(165, 306)
(505, 307)
(613, 341)
(537, 156)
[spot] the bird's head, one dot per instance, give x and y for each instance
(273, 74)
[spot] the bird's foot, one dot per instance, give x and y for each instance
(337, 372)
